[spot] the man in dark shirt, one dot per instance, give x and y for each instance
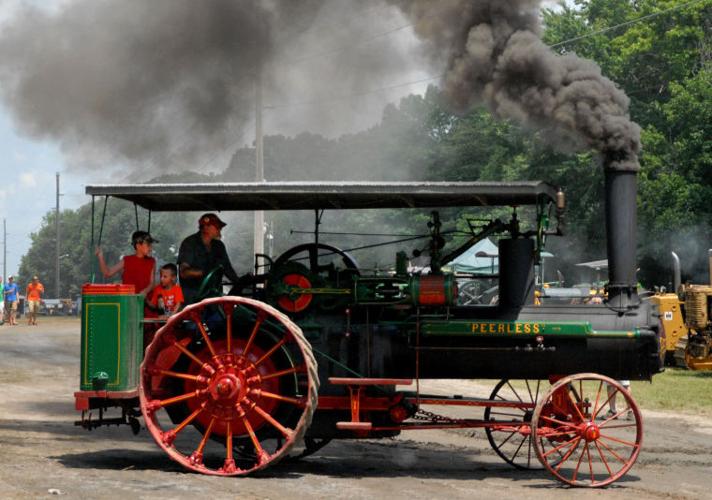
(202, 252)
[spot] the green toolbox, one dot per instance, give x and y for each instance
(112, 337)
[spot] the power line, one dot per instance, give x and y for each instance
(627, 23)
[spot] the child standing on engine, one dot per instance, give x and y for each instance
(167, 297)
(137, 269)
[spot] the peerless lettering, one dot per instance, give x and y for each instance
(494, 328)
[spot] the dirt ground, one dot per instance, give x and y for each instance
(45, 454)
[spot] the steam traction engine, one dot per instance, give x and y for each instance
(320, 349)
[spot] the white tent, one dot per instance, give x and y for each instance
(481, 258)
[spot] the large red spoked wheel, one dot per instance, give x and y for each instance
(511, 437)
(228, 386)
(578, 440)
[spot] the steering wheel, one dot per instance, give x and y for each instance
(211, 286)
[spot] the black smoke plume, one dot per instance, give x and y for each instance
(495, 56)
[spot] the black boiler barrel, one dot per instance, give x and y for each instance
(516, 273)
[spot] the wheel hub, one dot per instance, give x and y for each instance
(225, 387)
(591, 432)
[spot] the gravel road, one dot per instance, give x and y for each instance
(45, 455)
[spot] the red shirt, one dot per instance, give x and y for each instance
(171, 297)
(138, 271)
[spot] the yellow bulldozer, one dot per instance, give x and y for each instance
(686, 316)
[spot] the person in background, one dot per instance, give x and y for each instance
(201, 253)
(10, 292)
(2, 304)
(33, 295)
(612, 393)
(166, 298)
(137, 269)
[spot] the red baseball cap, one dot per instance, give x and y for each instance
(211, 220)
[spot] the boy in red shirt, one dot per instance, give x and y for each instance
(166, 298)
(136, 269)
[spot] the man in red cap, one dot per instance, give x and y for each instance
(201, 253)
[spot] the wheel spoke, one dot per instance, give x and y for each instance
(229, 465)
(561, 446)
(575, 405)
(262, 455)
(617, 426)
(199, 323)
(560, 422)
(506, 439)
(197, 455)
(284, 430)
(617, 440)
(185, 376)
(228, 325)
(526, 381)
(157, 403)
(271, 351)
(605, 462)
(192, 356)
(595, 405)
(590, 464)
(568, 454)
(607, 401)
(280, 373)
(615, 417)
(518, 448)
(261, 316)
(187, 420)
(578, 464)
(515, 392)
(622, 460)
(278, 397)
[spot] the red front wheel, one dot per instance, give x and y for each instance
(588, 430)
(228, 386)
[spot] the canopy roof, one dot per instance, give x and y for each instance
(325, 195)
(595, 264)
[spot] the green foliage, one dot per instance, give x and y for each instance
(684, 391)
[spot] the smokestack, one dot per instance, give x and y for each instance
(621, 223)
(676, 273)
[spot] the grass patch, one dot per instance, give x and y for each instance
(676, 389)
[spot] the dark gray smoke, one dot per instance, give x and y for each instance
(115, 76)
(166, 84)
(495, 56)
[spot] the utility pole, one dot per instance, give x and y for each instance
(56, 227)
(259, 241)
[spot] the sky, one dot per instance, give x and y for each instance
(29, 165)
